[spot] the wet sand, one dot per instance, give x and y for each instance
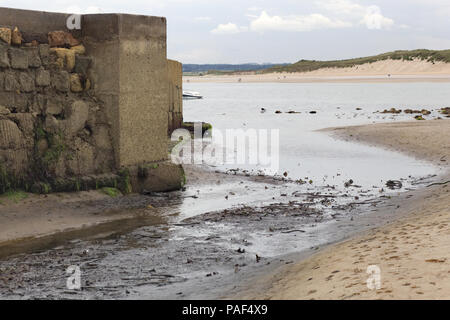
(412, 253)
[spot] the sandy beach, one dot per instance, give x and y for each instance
(381, 71)
(412, 253)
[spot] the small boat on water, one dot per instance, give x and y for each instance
(191, 95)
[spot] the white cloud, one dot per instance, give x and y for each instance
(228, 28)
(295, 23)
(373, 19)
(369, 16)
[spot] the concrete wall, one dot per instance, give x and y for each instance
(128, 99)
(130, 68)
(175, 74)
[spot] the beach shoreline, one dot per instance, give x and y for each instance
(385, 71)
(411, 253)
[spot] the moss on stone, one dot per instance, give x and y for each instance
(15, 196)
(112, 192)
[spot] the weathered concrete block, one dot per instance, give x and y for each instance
(26, 82)
(61, 81)
(42, 78)
(4, 58)
(158, 177)
(19, 58)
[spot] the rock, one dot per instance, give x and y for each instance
(425, 112)
(313, 112)
(44, 52)
(61, 81)
(419, 118)
(11, 137)
(5, 35)
(42, 78)
(80, 49)
(4, 59)
(278, 112)
(71, 41)
(16, 37)
(19, 58)
(76, 116)
(11, 83)
(65, 58)
(56, 38)
(61, 39)
(4, 111)
(75, 83)
(26, 82)
(392, 110)
(53, 125)
(263, 110)
(54, 107)
(394, 184)
(34, 60)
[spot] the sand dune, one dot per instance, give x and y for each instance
(381, 71)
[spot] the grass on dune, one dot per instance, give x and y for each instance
(311, 65)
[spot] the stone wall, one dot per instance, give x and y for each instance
(87, 108)
(175, 72)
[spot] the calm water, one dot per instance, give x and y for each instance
(305, 153)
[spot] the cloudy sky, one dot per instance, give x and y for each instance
(240, 31)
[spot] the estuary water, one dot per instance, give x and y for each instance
(305, 153)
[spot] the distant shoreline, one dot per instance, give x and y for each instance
(381, 71)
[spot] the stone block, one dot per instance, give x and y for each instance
(61, 81)
(26, 82)
(4, 58)
(82, 64)
(11, 83)
(5, 35)
(55, 107)
(34, 59)
(76, 114)
(44, 54)
(19, 58)
(75, 83)
(11, 137)
(42, 78)
(16, 37)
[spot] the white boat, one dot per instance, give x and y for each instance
(191, 95)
